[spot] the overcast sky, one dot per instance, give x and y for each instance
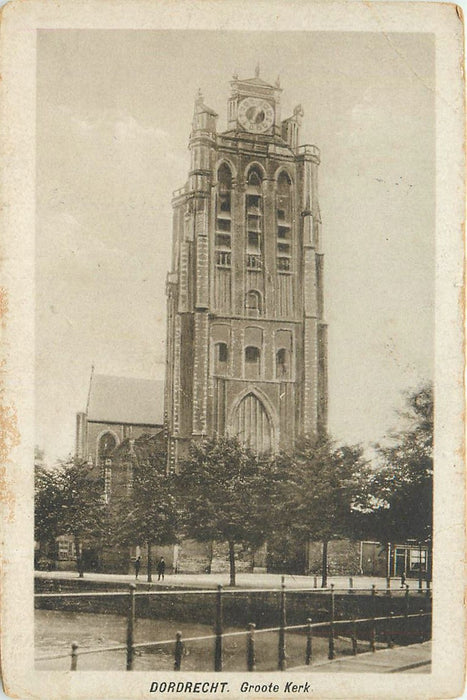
(114, 111)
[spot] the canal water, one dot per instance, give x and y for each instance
(55, 631)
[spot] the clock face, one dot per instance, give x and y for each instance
(255, 115)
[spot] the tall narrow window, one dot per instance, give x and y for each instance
(221, 358)
(282, 364)
(252, 362)
(284, 223)
(254, 220)
(253, 303)
(223, 234)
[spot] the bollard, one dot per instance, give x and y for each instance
(130, 629)
(388, 585)
(218, 631)
(309, 647)
(350, 585)
(178, 651)
(391, 631)
(250, 647)
(74, 656)
(354, 636)
(421, 624)
(373, 622)
(331, 624)
(282, 622)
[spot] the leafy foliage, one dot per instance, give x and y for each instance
(403, 486)
(222, 491)
(68, 500)
(317, 489)
(146, 512)
(47, 504)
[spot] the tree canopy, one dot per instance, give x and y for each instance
(146, 511)
(403, 485)
(68, 500)
(318, 487)
(221, 489)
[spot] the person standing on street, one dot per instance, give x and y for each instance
(161, 568)
(137, 566)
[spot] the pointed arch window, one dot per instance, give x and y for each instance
(106, 446)
(284, 222)
(252, 426)
(223, 242)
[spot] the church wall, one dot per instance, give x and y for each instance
(121, 432)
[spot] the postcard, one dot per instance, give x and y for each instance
(232, 349)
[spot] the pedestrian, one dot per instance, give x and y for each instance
(161, 568)
(137, 566)
(403, 579)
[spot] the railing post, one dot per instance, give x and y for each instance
(130, 629)
(250, 647)
(218, 631)
(282, 622)
(309, 643)
(354, 636)
(406, 612)
(331, 624)
(421, 624)
(74, 656)
(350, 584)
(178, 651)
(390, 631)
(373, 622)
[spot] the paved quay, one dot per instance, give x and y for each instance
(415, 658)
(243, 580)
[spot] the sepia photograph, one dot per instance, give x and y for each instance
(241, 349)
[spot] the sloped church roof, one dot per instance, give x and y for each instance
(126, 400)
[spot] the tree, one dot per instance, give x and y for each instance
(319, 486)
(221, 489)
(146, 511)
(403, 485)
(82, 507)
(47, 507)
(68, 500)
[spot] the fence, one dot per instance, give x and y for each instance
(389, 629)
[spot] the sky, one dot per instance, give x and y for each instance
(114, 112)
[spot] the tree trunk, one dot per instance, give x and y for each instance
(211, 556)
(324, 572)
(79, 557)
(149, 563)
(232, 562)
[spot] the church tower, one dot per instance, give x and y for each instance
(246, 341)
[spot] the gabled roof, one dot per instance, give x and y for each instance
(126, 400)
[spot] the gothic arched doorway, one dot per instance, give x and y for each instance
(251, 424)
